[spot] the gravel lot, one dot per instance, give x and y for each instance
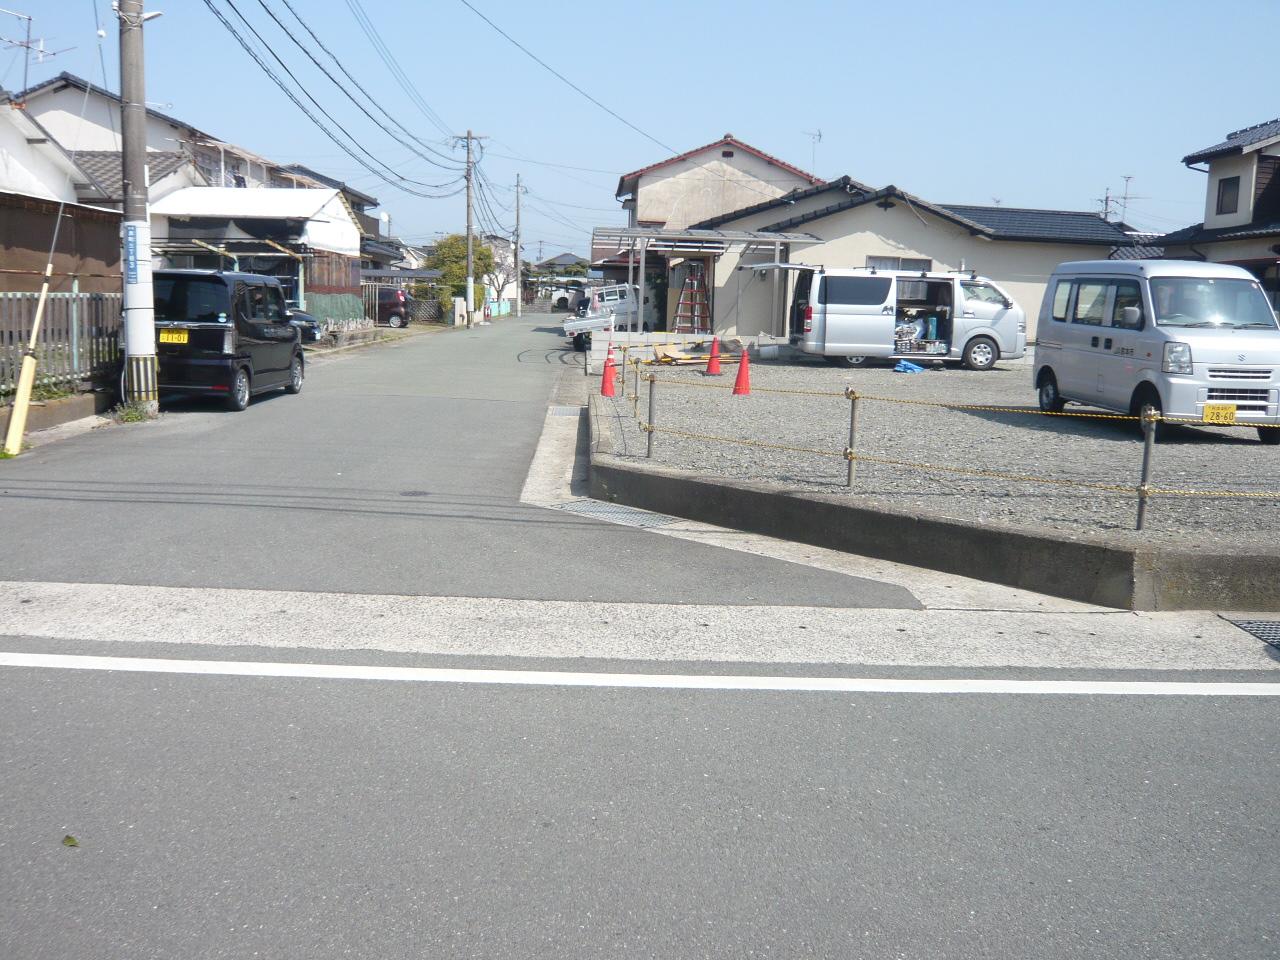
(1094, 451)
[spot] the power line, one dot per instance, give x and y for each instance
(313, 118)
(452, 168)
(550, 69)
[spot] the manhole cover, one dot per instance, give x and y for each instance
(1268, 631)
(415, 493)
(616, 513)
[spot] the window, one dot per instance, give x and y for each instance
(1128, 294)
(1091, 301)
(899, 263)
(857, 291)
(1228, 195)
(983, 292)
(264, 304)
(726, 153)
(1061, 296)
(190, 299)
(1218, 302)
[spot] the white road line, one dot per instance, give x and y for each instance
(658, 681)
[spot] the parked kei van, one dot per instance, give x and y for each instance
(854, 315)
(1197, 341)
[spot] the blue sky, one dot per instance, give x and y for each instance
(1036, 104)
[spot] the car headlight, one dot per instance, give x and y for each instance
(1177, 358)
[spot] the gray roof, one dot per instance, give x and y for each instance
(846, 183)
(1196, 233)
(884, 196)
(562, 260)
(104, 167)
(330, 181)
(1236, 141)
(1052, 226)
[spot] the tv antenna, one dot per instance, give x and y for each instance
(816, 137)
(28, 45)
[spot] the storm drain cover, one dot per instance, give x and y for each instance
(1268, 631)
(565, 411)
(616, 513)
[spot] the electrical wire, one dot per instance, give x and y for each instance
(455, 166)
(398, 183)
(550, 69)
(284, 66)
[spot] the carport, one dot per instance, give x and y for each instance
(688, 259)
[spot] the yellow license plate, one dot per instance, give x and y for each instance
(180, 336)
(1219, 413)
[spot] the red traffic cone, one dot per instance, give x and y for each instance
(713, 361)
(742, 385)
(608, 378)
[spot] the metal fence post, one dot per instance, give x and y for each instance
(620, 374)
(75, 326)
(1149, 420)
(649, 429)
(853, 434)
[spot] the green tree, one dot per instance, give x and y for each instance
(450, 259)
(574, 270)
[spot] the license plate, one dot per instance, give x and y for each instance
(1219, 413)
(180, 336)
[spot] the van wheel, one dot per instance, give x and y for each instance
(1148, 396)
(238, 399)
(295, 375)
(1269, 435)
(1050, 400)
(981, 353)
(395, 320)
(855, 361)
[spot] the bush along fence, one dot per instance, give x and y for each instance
(79, 337)
(1142, 491)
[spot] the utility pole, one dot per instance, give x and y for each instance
(140, 378)
(519, 266)
(471, 273)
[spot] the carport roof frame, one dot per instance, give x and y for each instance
(684, 242)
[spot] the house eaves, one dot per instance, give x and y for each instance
(846, 183)
(304, 171)
(1198, 234)
(884, 195)
(41, 140)
(1238, 141)
(628, 182)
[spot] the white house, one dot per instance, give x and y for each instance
(1242, 205)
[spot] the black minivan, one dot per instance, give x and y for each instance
(224, 334)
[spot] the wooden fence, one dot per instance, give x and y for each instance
(79, 337)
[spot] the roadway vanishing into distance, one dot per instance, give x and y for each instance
(240, 664)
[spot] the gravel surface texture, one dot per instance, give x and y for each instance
(1087, 450)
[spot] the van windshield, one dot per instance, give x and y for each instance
(190, 299)
(1210, 302)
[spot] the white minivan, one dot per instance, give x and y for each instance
(1197, 341)
(853, 315)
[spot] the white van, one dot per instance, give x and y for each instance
(610, 307)
(1197, 341)
(854, 315)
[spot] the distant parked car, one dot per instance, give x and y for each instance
(308, 326)
(394, 307)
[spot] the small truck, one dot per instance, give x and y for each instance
(611, 307)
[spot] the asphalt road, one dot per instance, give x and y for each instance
(335, 813)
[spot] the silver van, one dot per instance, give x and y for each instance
(853, 315)
(1197, 341)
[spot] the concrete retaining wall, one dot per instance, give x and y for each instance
(1089, 569)
(50, 413)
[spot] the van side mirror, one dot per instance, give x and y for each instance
(1008, 304)
(1130, 316)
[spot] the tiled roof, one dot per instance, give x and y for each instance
(331, 182)
(1053, 226)
(1236, 141)
(104, 167)
(727, 140)
(848, 184)
(1196, 233)
(884, 194)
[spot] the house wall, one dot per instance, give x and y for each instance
(59, 112)
(24, 170)
(707, 185)
(848, 238)
(88, 246)
(1245, 167)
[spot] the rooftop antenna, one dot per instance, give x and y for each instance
(997, 201)
(1124, 201)
(816, 137)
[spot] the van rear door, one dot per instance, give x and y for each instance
(859, 314)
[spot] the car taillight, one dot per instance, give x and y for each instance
(808, 319)
(400, 295)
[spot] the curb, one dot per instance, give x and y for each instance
(1089, 569)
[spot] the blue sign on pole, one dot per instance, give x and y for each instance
(130, 253)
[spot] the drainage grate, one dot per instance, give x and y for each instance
(1268, 631)
(564, 411)
(616, 513)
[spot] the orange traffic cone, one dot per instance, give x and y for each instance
(713, 361)
(608, 379)
(742, 385)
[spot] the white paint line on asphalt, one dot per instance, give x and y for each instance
(648, 681)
